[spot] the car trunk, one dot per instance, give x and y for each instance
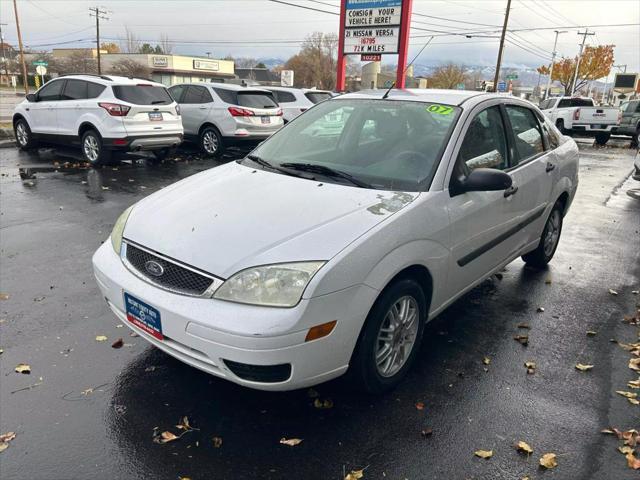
(264, 111)
(152, 110)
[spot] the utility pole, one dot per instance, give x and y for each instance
(575, 76)
(25, 78)
(553, 60)
(100, 15)
(504, 32)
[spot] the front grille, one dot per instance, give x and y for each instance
(173, 277)
(260, 373)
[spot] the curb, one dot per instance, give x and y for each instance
(7, 143)
(6, 133)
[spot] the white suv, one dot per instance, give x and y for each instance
(293, 101)
(102, 114)
(219, 115)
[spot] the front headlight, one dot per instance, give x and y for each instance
(118, 230)
(279, 285)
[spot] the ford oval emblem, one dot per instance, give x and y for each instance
(154, 268)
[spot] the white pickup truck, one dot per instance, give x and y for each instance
(580, 116)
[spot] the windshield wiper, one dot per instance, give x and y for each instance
(326, 171)
(263, 163)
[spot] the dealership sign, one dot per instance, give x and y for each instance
(160, 61)
(372, 26)
(206, 65)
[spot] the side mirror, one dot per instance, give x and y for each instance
(484, 180)
(31, 97)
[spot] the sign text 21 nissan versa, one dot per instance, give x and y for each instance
(330, 245)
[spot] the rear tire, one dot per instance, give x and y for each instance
(93, 149)
(635, 138)
(24, 137)
(390, 333)
(211, 142)
(602, 138)
(560, 125)
(549, 240)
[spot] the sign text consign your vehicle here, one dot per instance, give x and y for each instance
(372, 26)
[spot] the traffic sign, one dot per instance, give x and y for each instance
(41, 62)
(41, 70)
(512, 76)
(460, 86)
(502, 86)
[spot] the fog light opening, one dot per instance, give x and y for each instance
(320, 331)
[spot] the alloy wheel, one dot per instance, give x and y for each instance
(91, 148)
(22, 134)
(210, 142)
(552, 233)
(397, 336)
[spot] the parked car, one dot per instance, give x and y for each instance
(318, 254)
(580, 116)
(630, 121)
(217, 115)
(636, 166)
(293, 101)
(101, 114)
(317, 96)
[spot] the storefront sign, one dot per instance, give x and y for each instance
(206, 65)
(160, 61)
(372, 26)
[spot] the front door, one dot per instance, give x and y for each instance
(44, 119)
(484, 225)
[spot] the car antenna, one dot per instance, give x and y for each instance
(386, 94)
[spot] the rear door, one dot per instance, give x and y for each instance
(484, 225)
(152, 110)
(532, 170)
(195, 105)
(43, 112)
(74, 93)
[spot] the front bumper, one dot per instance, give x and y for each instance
(144, 142)
(215, 336)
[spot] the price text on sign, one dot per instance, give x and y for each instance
(371, 40)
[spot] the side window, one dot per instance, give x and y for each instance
(485, 143)
(75, 90)
(227, 96)
(526, 131)
(94, 90)
(564, 103)
(637, 109)
(176, 92)
(51, 91)
(551, 134)
(196, 95)
(284, 97)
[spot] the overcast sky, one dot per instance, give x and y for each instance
(262, 28)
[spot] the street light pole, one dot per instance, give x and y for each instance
(553, 60)
(575, 76)
(504, 32)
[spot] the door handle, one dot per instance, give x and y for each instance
(550, 166)
(510, 191)
(202, 108)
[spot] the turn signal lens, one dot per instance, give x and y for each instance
(320, 331)
(240, 112)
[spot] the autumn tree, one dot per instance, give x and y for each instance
(595, 63)
(110, 47)
(129, 68)
(447, 76)
(315, 64)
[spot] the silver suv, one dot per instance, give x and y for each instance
(219, 115)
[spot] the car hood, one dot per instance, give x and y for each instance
(233, 217)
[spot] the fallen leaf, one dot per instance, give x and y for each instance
(632, 461)
(23, 368)
(101, 338)
(39, 299)
(4, 296)
(118, 343)
(426, 433)
(524, 447)
(633, 401)
(354, 475)
(531, 367)
(483, 453)
(633, 383)
(486, 360)
(292, 442)
(217, 442)
(522, 339)
(7, 437)
(583, 368)
(613, 292)
(548, 460)
(626, 450)
(165, 437)
(591, 333)
(420, 405)
(323, 404)
(184, 478)
(634, 364)
(627, 394)
(523, 325)
(86, 392)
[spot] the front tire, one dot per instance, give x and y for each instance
(24, 137)
(391, 337)
(542, 255)
(211, 142)
(602, 138)
(93, 149)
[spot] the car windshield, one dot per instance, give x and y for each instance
(317, 97)
(142, 94)
(381, 144)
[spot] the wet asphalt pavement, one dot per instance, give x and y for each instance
(54, 216)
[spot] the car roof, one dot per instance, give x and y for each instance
(311, 90)
(447, 97)
(109, 79)
(229, 86)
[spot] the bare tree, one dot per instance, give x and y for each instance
(81, 61)
(447, 76)
(165, 44)
(315, 64)
(245, 62)
(130, 43)
(129, 68)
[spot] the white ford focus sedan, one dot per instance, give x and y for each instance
(329, 247)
